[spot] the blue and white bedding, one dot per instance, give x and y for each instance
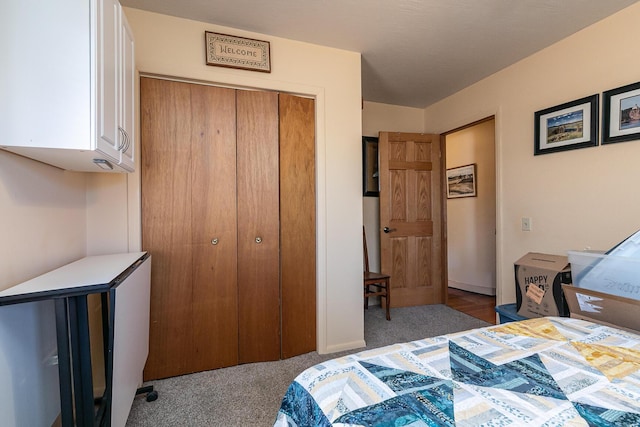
(537, 372)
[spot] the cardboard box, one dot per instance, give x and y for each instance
(610, 274)
(547, 273)
(603, 308)
(606, 287)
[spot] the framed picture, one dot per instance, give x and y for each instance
(567, 126)
(461, 182)
(621, 114)
(370, 178)
(224, 50)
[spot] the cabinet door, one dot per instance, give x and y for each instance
(127, 93)
(107, 66)
(44, 78)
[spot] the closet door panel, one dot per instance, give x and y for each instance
(166, 223)
(258, 226)
(213, 230)
(297, 224)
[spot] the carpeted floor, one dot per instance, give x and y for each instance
(250, 395)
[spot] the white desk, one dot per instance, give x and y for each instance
(126, 348)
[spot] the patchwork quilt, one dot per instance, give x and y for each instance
(538, 372)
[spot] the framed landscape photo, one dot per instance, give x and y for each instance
(370, 177)
(567, 126)
(621, 114)
(461, 182)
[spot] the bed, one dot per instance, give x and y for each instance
(550, 371)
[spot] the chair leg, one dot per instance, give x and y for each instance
(387, 298)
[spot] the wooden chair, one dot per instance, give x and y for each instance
(375, 284)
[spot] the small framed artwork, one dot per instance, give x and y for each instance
(224, 50)
(621, 114)
(461, 182)
(370, 178)
(567, 126)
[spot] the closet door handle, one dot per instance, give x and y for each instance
(214, 241)
(258, 239)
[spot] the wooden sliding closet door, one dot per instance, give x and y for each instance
(228, 213)
(188, 225)
(213, 228)
(298, 224)
(258, 226)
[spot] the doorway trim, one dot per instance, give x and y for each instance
(134, 201)
(498, 188)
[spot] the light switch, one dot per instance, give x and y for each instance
(526, 224)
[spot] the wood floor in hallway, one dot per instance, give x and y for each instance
(476, 305)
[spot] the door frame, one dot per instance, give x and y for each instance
(443, 195)
(443, 147)
(134, 200)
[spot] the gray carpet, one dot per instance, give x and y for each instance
(250, 395)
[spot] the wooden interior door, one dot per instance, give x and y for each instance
(298, 225)
(258, 226)
(188, 200)
(411, 245)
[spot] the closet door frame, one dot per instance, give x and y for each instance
(309, 293)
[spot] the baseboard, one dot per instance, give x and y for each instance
(484, 290)
(344, 347)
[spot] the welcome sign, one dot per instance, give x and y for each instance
(224, 50)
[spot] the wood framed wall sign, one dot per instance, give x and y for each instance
(370, 174)
(567, 126)
(223, 50)
(462, 182)
(621, 114)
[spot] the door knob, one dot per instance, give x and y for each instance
(258, 239)
(386, 230)
(214, 241)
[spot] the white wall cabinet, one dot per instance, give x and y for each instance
(67, 83)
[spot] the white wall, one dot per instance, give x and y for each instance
(175, 47)
(377, 117)
(471, 221)
(43, 226)
(575, 198)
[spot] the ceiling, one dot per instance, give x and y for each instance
(414, 52)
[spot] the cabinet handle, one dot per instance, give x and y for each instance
(122, 139)
(127, 141)
(258, 239)
(214, 241)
